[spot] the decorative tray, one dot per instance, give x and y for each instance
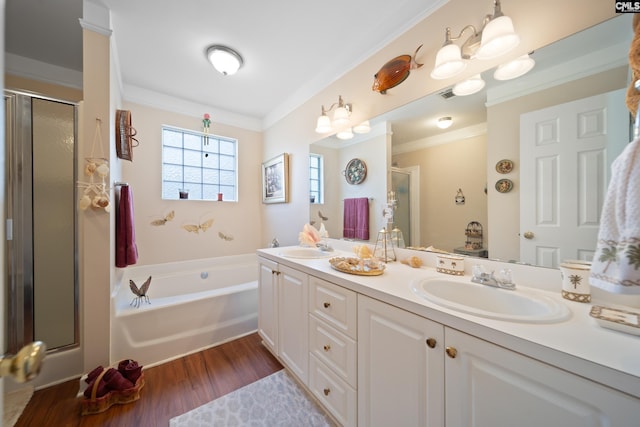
(358, 266)
(620, 320)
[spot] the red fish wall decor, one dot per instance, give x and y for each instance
(395, 72)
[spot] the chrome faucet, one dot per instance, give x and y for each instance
(503, 280)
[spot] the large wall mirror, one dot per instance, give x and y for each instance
(428, 168)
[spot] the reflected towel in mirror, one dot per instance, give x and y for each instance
(356, 218)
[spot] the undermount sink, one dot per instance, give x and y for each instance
(302, 252)
(520, 305)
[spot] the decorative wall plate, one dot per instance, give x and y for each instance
(356, 171)
(504, 185)
(504, 166)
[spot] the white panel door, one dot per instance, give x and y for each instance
(490, 386)
(565, 155)
(268, 303)
(400, 374)
(293, 321)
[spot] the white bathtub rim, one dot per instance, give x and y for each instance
(122, 310)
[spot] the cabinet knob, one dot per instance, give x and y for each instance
(327, 304)
(327, 347)
(451, 352)
(326, 391)
(431, 342)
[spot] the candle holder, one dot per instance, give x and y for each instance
(384, 246)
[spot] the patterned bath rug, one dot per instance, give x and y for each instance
(276, 400)
(14, 404)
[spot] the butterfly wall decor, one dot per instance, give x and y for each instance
(227, 237)
(163, 221)
(196, 228)
(140, 293)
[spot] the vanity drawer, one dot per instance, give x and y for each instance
(335, 349)
(334, 305)
(334, 394)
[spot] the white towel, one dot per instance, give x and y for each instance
(616, 264)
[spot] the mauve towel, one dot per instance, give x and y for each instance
(126, 249)
(356, 219)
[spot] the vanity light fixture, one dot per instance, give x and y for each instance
(513, 69)
(224, 59)
(496, 38)
(345, 134)
(340, 116)
(445, 122)
(363, 127)
(470, 86)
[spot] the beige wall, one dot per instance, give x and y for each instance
(171, 242)
(444, 169)
(538, 24)
(503, 123)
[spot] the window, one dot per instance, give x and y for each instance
(316, 193)
(198, 166)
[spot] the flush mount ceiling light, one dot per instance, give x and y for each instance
(224, 59)
(445, 122)
(496, 38)
(340, 116)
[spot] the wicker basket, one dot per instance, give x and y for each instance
(96, 405)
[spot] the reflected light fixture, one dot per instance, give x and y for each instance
(340, 116)
(513, 69)
(445, 122)
(363, 127)
(496, 38)
(224, 59)
(345, 134)
(470, 86)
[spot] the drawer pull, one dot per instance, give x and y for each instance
(451, 352)
(327, 304)
(326, 391)
(327, 347)
(431, 342)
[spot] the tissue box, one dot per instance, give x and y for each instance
(450, 264)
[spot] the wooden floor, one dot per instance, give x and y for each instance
(171, 389)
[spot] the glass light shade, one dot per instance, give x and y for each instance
(448, 62)
(345, 134)
(470, 86)
(498, 38)
(324, 124)
(513, 69)
(341, 117)
(445, 122)
(226, 60)
(363, 127)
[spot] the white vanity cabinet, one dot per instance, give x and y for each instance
(400, 367)
(333, 349)
(268, 276)
(283, 317)
(488, 385)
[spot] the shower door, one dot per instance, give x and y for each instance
(41, 233)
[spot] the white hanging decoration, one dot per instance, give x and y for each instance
(95, 194)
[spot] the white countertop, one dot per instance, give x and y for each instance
(578, 344)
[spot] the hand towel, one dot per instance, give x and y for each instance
(356, 218)
(616, 264)
(126, 248)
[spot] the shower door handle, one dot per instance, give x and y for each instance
(26, 364)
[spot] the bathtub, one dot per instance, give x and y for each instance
(192, 305)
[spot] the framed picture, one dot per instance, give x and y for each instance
(275, 180)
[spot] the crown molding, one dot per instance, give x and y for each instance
(41, 71)
(445, 138)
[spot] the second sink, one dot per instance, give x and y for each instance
(521, 305)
